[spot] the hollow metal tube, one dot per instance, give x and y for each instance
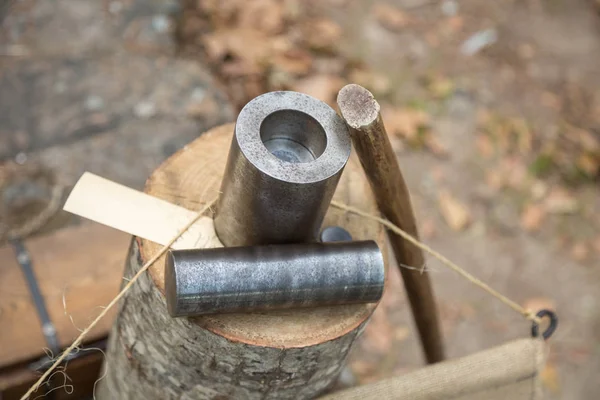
(255, 278)
(286, 157)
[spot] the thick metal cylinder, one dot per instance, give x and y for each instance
(256, 278)
(286, 157)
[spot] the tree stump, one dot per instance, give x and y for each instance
(289, 354)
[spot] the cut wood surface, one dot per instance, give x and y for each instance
(287, 354)
(84, 263)
(193, 177)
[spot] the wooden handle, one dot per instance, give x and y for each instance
(361, 112)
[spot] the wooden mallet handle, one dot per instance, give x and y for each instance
(361, 112)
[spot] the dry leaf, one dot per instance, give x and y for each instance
(508, 134)
(428, 229)
(524, 136)
(329, 65)
(279, 80)
(455, 213)
(294, 62)
(240, 68)
(249, 45)
(578, 355)
(203, 109)
(589, 164)
(536, 304)
(253, 87)
(597, 244)
(322, 34)
(502, 139)
(484, 116)
(454, 24)
(585, 139)
(190, 26)
(440, 87)
(262, 15)
(496, 326)
(560, 201)
(532, 217)
(515, 171)
(322, 87)
(292, 10)
(484, 145)
(432, 38)
(495, 179)
(435, 145)
(526, 51)
(550, 379)
(580, 252)
(363, 368)
(378, 84)
(538, 190)
(282, 43)
(221, 12)
(452, 313)
(550, 100)
(390, 17)
(561, 241)
(405, 122)
(466, 311)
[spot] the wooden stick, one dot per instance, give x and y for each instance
(361, 112)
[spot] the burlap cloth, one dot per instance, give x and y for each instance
(507, 372)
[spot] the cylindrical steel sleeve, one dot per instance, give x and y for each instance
(257, 278)
(286, 157)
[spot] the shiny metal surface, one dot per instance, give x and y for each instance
(255, 278)
(335, 234)
(285, 160)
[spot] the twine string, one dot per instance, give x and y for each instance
(477, 282)
(114, 301)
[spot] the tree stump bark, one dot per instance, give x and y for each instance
(289, 354)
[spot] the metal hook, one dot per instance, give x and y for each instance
(551, 328)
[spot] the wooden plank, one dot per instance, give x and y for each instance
(138, 213)
(83, 263)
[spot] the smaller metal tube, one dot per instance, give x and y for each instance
(335, 234)
(256, 278)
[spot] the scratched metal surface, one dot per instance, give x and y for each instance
(286, 157)
(257, 278)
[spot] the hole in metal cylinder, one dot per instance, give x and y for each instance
(293, 136)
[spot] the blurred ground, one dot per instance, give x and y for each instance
(492, 106)
(92, 87)
(494, 112)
